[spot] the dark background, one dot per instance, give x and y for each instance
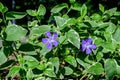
(23, 5)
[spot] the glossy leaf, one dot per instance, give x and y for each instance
(101, 8)
(116, 34)
(59, 7)
(15, 15)
(49, 72)
(39, 30)
(68, 70)
(76, 6)
(3, 55)
(28, 49)
(73, 37)
(13, 71)
(83, 63)
(71, 60)
(41, 10)
(15, 33)
(55, 62)
(29, 74)
(96, 69)
(110, 68)
(83, 10)
(31, 12)
(1, 7)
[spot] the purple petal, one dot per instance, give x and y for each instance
(48, 34)
(83, 42)
(44, 40)
(93, 46)
(88, 51)
(55, 43)
(49, 46)
(83, 48)
(55, 35)
(89, 40)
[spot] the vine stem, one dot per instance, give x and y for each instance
(83, 76)
(4, 18)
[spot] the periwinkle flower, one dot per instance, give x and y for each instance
(51, 40)
(88, 46)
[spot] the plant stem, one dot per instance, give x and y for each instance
(83, 76)
(38, 19)
(4, 18)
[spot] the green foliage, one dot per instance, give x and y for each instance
(15, 15)
(59, 7)
(73, 37)
(24, 48)
(15, 32)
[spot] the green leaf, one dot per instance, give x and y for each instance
(116, 34)
(5, 9)
(13, 71)
(59, 7)
(4, 53)
(72, 1)
(3, 58)
(83, 63)
(59, 21)
(44, 50)
(55, 62)
(108, 36)
(31, 64)
(91, 23)
(71, 60)
(30, 58)
(83, 10)
(62, 22)
(99, 56)
(41, 10)
(96, 17)
(29, 74)
(118, 70)
(96, 69)
(110, 68)
(49, 72)
(0, 20)
(27, 49)
(1, 7)
(111, 11)
(107, 46)
(31, 12)
(76, 6)
(39, 30)
(73, 37)
(111, 29)
(68, 71)
(15, 15)
(101, 8)
(6, 65)
(15, 32)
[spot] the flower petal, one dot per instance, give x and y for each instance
(48, 34)
(83, 48)
(55, 35)
(93, 46)
(49, 46)
(88, 51)
(89, 40)
(55, 43)
(44, 40)
(83, 42)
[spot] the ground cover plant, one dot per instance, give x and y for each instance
(71, 46)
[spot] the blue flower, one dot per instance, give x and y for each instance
(88, 46)
(51, 40)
